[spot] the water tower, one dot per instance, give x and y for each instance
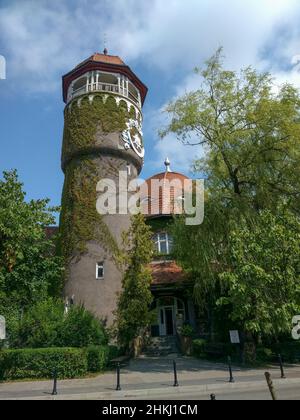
(102, 137)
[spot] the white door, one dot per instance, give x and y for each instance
(166, 320)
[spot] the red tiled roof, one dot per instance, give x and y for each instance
(165, 200)
(166, 272)
(104, 58)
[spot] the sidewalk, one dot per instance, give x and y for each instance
(153, 376)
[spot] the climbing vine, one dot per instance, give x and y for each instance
(80, 221)
(83, 119)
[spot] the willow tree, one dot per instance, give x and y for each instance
(247, 130)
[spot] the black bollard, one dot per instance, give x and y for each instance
(231, 379)
(118, 377)
(281, 366)
(271, 386)
(54, 392)
(175, 374)
(212, 397)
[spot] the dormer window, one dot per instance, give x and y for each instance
(100, 270)
(163, 243)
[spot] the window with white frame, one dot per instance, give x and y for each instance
(100, 270)
(163, 243)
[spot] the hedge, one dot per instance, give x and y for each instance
(40, 363)
(97, 358)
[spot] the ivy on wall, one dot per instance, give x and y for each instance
(80, 221)
(160, 224)
(84, 118)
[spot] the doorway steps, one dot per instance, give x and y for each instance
(161, 346)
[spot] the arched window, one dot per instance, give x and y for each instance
(163, 243)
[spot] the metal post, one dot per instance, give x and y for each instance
(231, 379)
(118, 377)
(281, 366)
(175, 374)
(54, 392)
(212, 397)
(271, 386)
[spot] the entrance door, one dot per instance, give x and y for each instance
(166, 321)
(169, 321)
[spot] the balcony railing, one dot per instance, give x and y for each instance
(104, 87)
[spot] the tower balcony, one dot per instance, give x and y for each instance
(99, 81)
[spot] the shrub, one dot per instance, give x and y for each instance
(187, 330)
(46, 325)
(264, 354)
(97, 358)
(290, 351)
(199, 347)
(41, 325)
(40, 363)
(81, 329)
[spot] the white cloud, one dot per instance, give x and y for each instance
(44, 39)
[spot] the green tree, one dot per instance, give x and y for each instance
(29, 269)
(249, 130)
(263, 279)
(133, 309)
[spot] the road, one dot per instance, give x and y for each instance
(284, 393)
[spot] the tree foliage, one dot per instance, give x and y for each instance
(248, 131)
(263, 279)
(29, 269)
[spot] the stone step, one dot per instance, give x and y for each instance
(161, 346)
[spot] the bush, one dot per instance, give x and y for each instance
(46, 325)
(264, 354)
(199, 347)
(41, 325)
(290, 351)
(81, 329)
(187, 330)
(40, 363)
(97, 358)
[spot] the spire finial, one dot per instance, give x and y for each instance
(168, 165)
(105, 51)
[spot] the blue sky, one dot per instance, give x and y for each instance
(162, 41)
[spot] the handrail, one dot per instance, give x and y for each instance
(104, 87)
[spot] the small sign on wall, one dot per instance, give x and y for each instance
(234, 337)
(2, 328)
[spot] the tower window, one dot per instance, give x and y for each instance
(100, 270)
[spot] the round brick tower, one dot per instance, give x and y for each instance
(102, 141)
